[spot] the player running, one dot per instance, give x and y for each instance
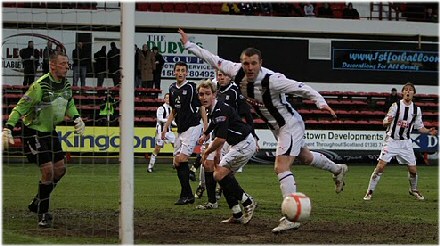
(266, 91)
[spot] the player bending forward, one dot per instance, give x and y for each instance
(227, 126)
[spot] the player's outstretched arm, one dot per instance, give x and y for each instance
(228, 67)
(183, 36)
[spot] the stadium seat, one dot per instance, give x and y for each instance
(192, 8)
(155, 7)
(168, 7)
(216, 8)
(142, 6)
(375, 122)
(205, 8)
(180, 7)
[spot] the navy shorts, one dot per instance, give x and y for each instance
(42, 147)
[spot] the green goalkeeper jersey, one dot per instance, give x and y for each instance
(44, 105)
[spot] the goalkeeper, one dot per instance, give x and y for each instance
(43, 107)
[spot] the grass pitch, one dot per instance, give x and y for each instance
(85, 205)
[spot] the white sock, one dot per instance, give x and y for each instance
(202, 175)
(374, 179)
(287, 183)
(413, 181)
(152, 161)
(322, 162)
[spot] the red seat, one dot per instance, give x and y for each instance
(311, 122)
(431, 124)
(180, 7)
(192, 8)
(156, 7)
(216, 8)
(142, 6)
(375, 122)
(205, 8)
(168, 7)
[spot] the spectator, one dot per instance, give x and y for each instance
(230, 8)
(113, 59)
(137, 73)
(325, 11)
(81, 61)
(60, 50)
(157, 76)
(266, 8)
(107, 111)
(282, 9)
(349, 12)
(246, 8)
(47, 52)
(101, 65)
(430, 16)
(30, 59)
(391, 99)
(147, 64)
(309, 10)
(225, 8)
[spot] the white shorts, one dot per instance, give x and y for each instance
(225, 149)
(205, 146)
(170, 138)
(290, 137)
(239, 154)
(401, 149)
(187, 141)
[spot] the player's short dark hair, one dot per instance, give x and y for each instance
(181, 64)
(54, 56)
(250, 52)
(409, 84)
(155, 48)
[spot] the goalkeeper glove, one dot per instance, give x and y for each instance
(7, 138)
(79, 126)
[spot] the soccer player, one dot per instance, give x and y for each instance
(45, 104)
(230, 94)
(401, 118)
(228, 127)
(162, 113)
(187, 112)
(266, 91)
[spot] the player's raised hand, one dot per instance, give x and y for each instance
(330, 110)
(183, 36)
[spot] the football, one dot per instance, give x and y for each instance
(296, 207)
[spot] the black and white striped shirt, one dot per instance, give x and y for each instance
(162, 114)
(268, 93)
(406, 118)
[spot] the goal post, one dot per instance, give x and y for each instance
(126, 231)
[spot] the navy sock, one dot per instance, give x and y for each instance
(210, 186)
